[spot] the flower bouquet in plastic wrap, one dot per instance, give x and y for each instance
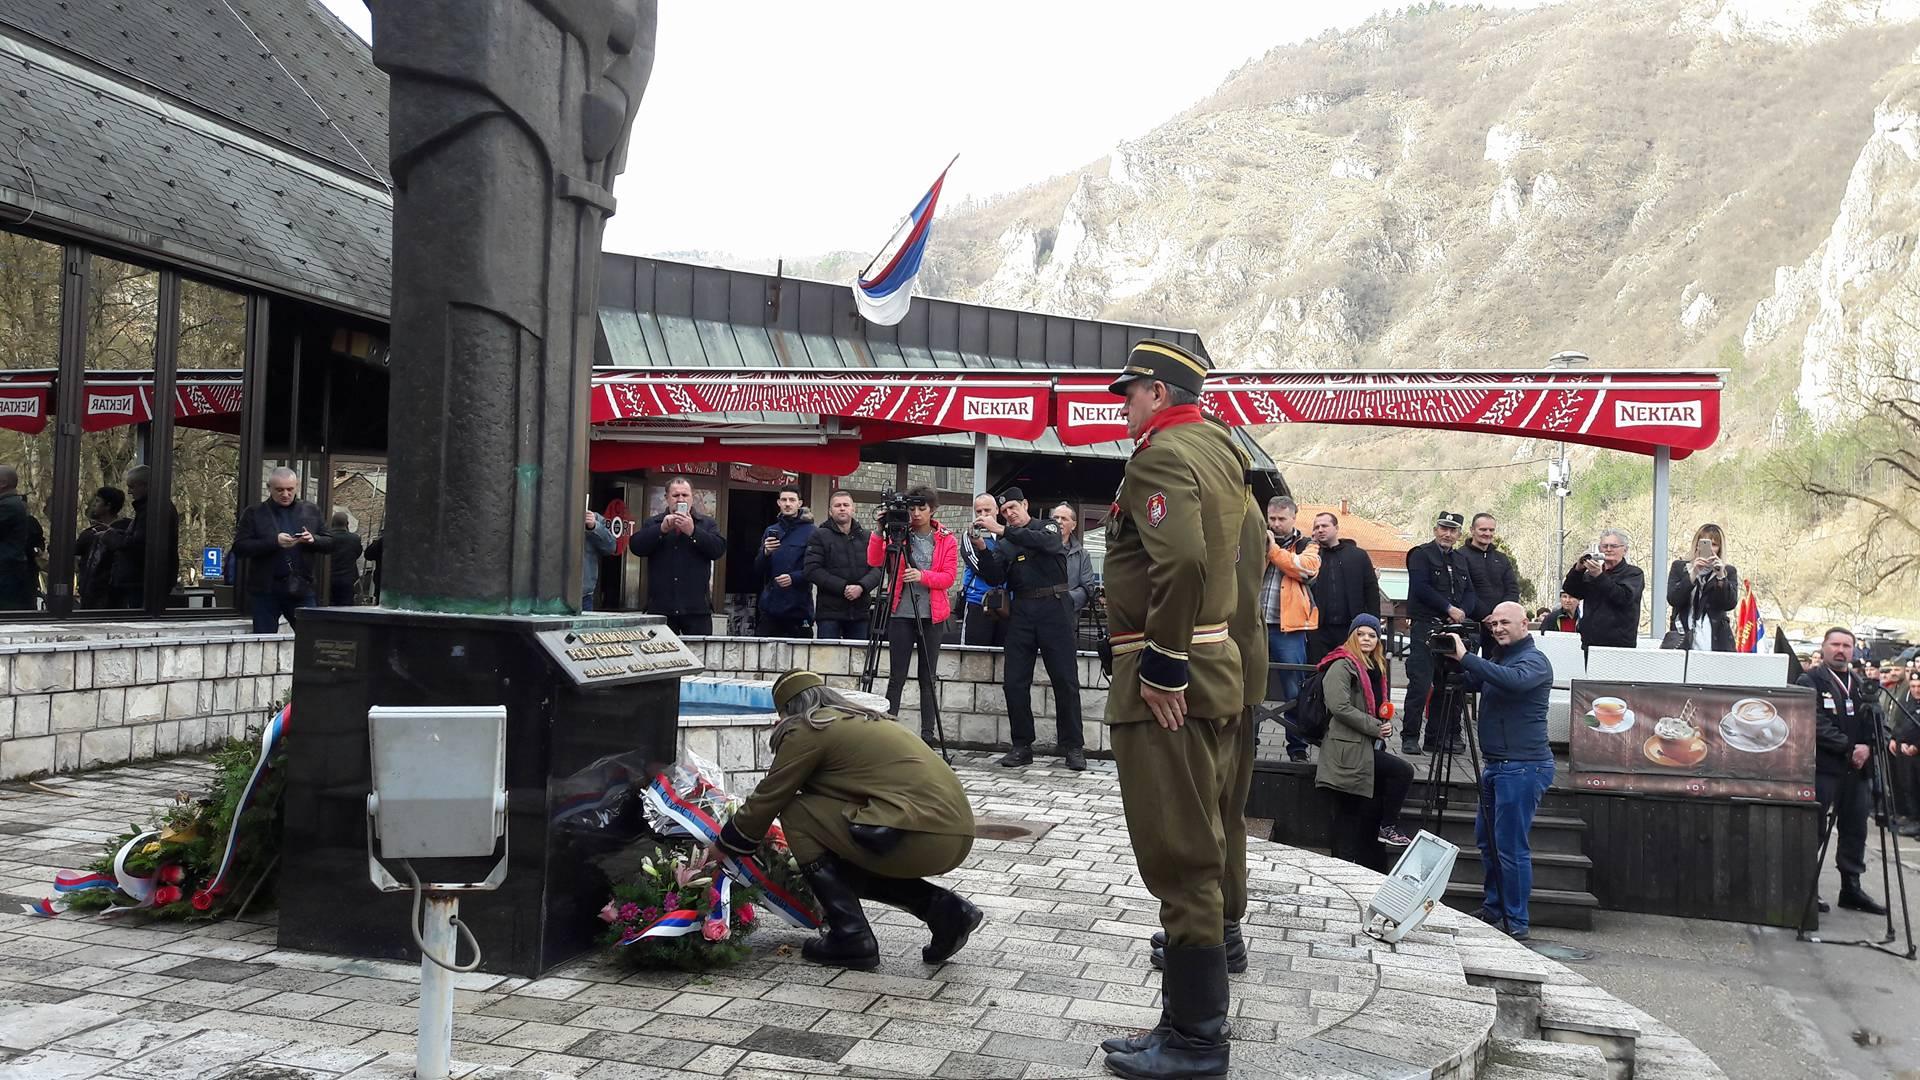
(673, 907)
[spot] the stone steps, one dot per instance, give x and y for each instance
(1530, 1059)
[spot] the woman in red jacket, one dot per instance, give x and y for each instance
(919, 602)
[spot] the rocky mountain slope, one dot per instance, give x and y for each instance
(1712, 183)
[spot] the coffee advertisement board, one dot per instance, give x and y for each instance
(1677, 739)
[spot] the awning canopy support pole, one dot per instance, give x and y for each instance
(979, 462)
(1656, 555)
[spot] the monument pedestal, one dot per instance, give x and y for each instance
(592, 713)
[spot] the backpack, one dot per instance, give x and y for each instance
(1310, 709)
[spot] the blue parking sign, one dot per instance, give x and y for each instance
(212, 562)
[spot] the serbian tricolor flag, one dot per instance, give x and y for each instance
(1748, 630)
(884, 290)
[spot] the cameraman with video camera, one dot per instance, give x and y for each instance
(928, 561)
(1514, 683)
(1440, 598)
(1030, 559)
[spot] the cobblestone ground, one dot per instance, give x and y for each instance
(1059, 964)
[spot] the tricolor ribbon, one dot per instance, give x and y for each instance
(270, 736)
(139, 889)
(700, 825)
(671, 925)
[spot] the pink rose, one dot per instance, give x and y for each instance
(714, 930)
(609, 914)
(745, 914)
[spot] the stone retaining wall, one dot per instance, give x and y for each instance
(67, 705)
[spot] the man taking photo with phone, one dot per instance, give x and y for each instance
(1609, 588)
(680, 544)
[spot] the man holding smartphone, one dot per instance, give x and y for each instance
(279, 538)
(680, 545)
(1610, 588)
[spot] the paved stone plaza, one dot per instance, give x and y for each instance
(1059, 965)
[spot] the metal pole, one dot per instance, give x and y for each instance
(979, 462)
(1656, 556)
(436, 988)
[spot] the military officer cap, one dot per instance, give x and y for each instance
(1448, 520)
(786, 686)
(1012, 494)
(1163, 361)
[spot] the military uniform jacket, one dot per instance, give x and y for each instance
(1174, 567)
(884, 773)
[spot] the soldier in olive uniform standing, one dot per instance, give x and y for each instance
(1176, 558)
(870, 812)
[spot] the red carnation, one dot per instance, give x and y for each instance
(166, 894)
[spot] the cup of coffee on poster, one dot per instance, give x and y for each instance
(1676, 735)
(1610, 713)
(1750, 717)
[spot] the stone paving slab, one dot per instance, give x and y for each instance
(1059, 965)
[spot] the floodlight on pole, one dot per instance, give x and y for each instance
(1559, 482)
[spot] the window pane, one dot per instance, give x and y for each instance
(116, 440)
(206, 439)
(30, 273)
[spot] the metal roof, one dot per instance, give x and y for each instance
(671, 315)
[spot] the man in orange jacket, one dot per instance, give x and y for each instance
(1287, 601)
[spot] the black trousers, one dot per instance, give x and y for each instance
(1906, 785)
(1324, 640)
(1043, 627)
(980, 628)
(776, 626)
(905, 636)
(1423, 696)
(700, 625)
(1851, 792)
(1355, 831)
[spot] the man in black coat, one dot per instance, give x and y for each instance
(128, 575)
(94, 580)
(343, 570)
(279, 538)
(1439, 592)
(680, 545)
(1347, 585)
(21, 539)
(1609, 588)
(1844, 707)
(1494, 582)
(836, 564)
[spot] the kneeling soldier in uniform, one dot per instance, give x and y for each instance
(870, 812)
(1176, 561)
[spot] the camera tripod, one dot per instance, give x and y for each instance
(892, 564)
(1454, 701)
(1891, 869)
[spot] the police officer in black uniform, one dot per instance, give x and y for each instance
(1030, 561)
(1439, 592)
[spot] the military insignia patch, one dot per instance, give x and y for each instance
(1157, 509)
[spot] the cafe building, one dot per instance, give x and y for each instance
(194, 275)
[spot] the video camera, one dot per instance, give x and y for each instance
(1437, 639)
(894, 509)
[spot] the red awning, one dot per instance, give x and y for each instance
(991, 402)
(1636, 411)
(837, 458)
(197, 402)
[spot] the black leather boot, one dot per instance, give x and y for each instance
(1236, 948)
(1016, 757)
(1854, 898)
(949, 917)
(1194, 992)
(847, 941)
(1139, 1040)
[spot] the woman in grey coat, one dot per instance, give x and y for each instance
(1367, 783)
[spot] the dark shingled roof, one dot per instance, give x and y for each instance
(96, 143)
(199, 52)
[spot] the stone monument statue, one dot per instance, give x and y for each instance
(509, 122)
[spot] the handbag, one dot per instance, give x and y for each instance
(994, 603)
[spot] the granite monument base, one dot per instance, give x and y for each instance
(584, 733)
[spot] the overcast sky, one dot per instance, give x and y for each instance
(785, 129)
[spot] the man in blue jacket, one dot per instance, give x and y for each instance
(1513, 684)
(786, 599)
(1439, 592)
